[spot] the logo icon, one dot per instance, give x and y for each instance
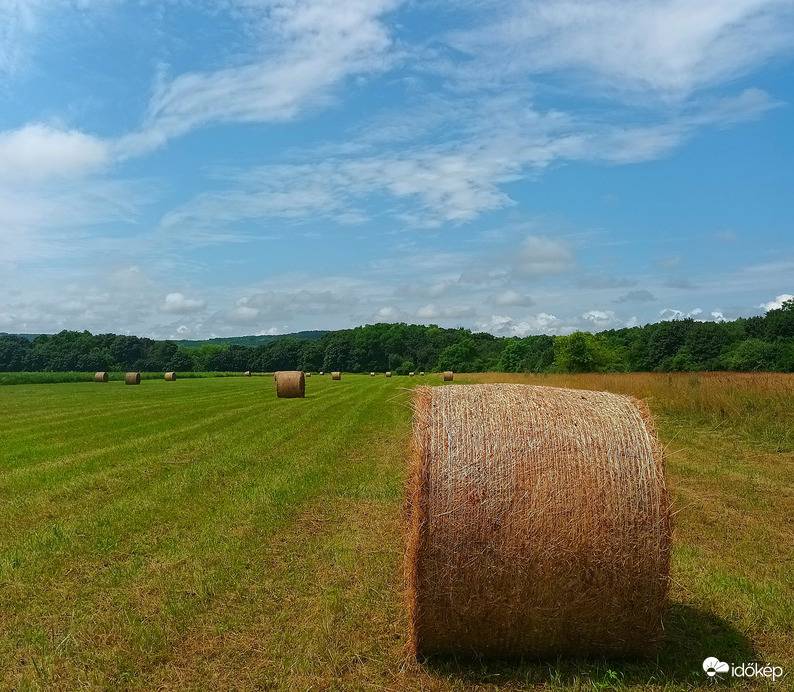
(713, 665)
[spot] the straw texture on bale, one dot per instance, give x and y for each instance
(101, 377)
(170, 377)
(290, 384)
(538, 523)
(248, 373)
(388, 373)
(336, 375)
(132, 378)
(276, 374)
(448, 375)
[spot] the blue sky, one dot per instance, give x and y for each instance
(187, 168)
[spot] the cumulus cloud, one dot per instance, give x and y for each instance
(180, 304)
(433, 311)
(542, 256)
(509, 297)
(777, 303)
(38, 152)
(638, 296)
(388, 314)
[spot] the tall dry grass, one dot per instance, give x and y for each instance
(756, 405)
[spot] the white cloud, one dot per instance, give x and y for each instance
(37, 152)
(600, 319)
(667, 48)
(389, 314)
(311, 46)
(179, 304)
(509, 297)
(777, 303)
(433, 311)
(503, 325)
(542, 256)
(243, 314)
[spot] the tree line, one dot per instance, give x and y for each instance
(745, 344)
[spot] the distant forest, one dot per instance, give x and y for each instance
(745, 344)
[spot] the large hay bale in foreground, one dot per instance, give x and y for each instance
(448, 375)
(101, 377)
(290, 384)
(538, 523)
(132, 378)
(170, 377)
(336, 375)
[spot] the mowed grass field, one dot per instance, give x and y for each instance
(203, 534)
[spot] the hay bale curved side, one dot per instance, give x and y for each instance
(290, 384)
(336, 375)
(448, 376)
(170, 377)
(101, 377)
(538, 523)
(132, 378)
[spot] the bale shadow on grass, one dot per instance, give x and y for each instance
(692, 636)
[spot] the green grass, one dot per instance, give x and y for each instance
(203, 534)
(7, 378)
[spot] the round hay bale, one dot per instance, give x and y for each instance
(321, 372)
(336, 375)
(388, 373)
(101, 377)
(132, 378)
(372, 374)
(422, 373)
(448, 375)
(308, 374)
(410, 374)
(170, 377)
(538, 523)
(247, 373)
(290, 384)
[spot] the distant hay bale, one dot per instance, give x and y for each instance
(247, 373)
(538, 523)
(290, 384)
(132, 378)
(422, 373)
(410, 374)
(101, 377)
(448, 375)
(170, 377)
(372, 374)
(308, 374)
(321, 372)
(336, 375)
(388, 374)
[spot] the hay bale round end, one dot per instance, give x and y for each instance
(247, 373)
(410, 374)
(132, 378)
(336, 375)
(372, 374)
(448, 376)
(388, 373)
(422, 373)
(290, 384)
(538, 523)
(308, 374)
(101, 377)
(170, 377)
